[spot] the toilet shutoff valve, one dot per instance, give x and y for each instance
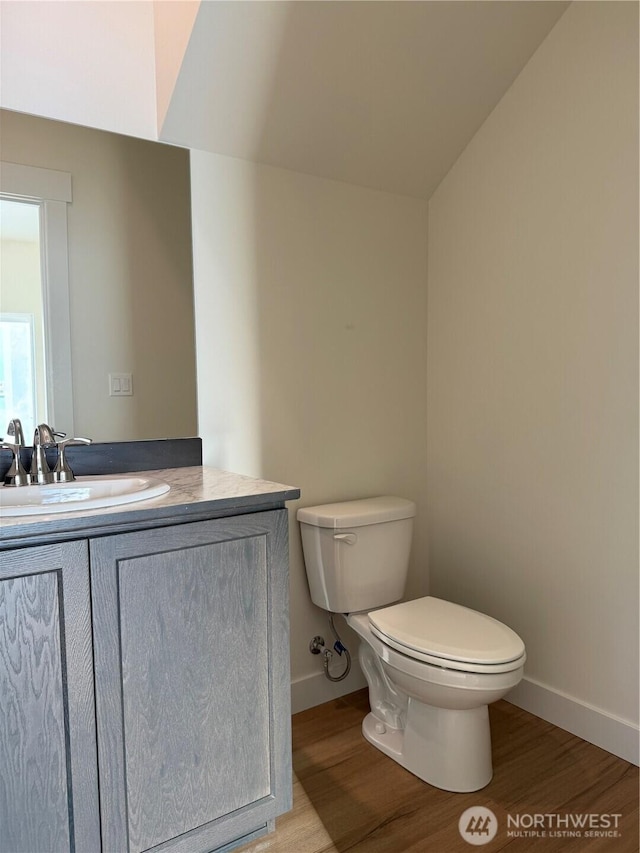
(316, 646)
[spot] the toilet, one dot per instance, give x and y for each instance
(432, 667)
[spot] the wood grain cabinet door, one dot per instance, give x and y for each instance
(48, 779)
(192, 682)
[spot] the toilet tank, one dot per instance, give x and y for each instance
(356, 553)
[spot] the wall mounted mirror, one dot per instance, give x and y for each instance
(130, 293)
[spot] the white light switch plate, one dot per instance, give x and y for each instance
(120, 385)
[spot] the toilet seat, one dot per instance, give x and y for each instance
(448, 635)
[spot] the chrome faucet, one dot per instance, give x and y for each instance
(40, 472)
(43, 437)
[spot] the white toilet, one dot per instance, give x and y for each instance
(432, 666)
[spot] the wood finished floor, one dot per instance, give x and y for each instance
(348, 796)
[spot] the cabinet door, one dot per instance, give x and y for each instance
(192, 682)
(48, 778)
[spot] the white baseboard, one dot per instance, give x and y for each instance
(618, 736)
(312, 690)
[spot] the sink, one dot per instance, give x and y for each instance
(82, 493)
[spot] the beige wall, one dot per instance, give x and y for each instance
(130, 274)
(310, 323)
(311, 294)
(533, 363)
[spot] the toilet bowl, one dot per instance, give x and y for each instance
(432, 718)
(432, 666)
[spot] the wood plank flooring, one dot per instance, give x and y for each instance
(348, 796)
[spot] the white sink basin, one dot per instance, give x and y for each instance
(82, 493)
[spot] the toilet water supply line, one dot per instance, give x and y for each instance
(317, 646)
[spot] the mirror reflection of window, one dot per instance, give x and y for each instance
(18, 386)
(22, 349)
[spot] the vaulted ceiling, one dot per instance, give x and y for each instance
(381, 94)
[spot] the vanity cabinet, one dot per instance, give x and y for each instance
(144, 682)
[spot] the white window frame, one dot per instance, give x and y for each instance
(51, 189)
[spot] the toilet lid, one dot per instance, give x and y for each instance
(448, 632)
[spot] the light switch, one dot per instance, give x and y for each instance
(120, 385)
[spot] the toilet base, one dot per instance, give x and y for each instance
(447, 748)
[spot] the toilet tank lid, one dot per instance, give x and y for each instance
(357, 513)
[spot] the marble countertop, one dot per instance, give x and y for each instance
(195, 493)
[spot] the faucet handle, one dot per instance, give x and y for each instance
(62, 473)
(16, 475)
